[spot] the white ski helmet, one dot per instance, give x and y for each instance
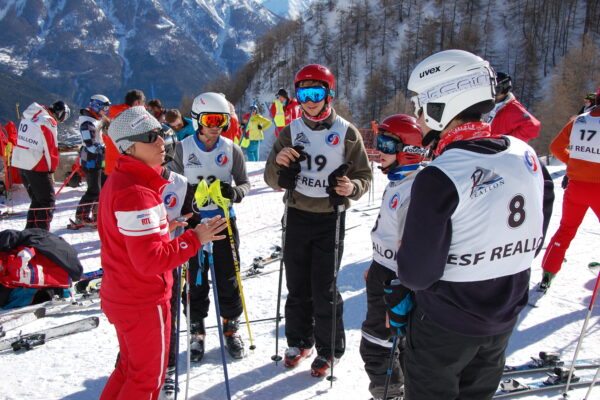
(99, 102)
(448, 83)
(209, 102)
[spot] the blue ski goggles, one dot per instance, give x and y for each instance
(314, 94)
(388, 145)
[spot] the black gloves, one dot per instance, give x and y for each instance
(398, 299)
(287, 175)
(334, 198)
(564, 182)
(229, 192)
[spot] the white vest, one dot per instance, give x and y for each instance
(584, 142)
(31, 143)
(497, 225)
(210, 165)
(326, 152)
(388, 229)
(173, 196)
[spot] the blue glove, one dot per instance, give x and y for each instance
(398, 299)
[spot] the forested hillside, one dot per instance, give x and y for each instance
(549, 47)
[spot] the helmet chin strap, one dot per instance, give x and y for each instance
(323, 114)
(390, 167)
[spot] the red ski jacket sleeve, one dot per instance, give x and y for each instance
(514, 120)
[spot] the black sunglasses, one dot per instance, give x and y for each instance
(147, 137)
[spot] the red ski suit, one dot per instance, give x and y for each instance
(514, 120)
(138, 256)
(583, 189)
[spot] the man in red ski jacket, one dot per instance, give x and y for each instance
(36, 157)
(509, 117)
(138, 256)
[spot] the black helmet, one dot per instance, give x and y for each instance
(591, 97)
(283, 93)
(60, 110)
(503, 83)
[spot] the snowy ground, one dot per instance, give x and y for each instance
(76, 367)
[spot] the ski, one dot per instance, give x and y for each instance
(535, 296)
(16, 320)
(511, 387)
(74, 226)
(58, 305)
(83, 285)
(259, 262)
(545, 362)
(31, 340)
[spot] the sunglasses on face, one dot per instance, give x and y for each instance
(213, 120)
(314, 94)
(388, 145)
(148, 137)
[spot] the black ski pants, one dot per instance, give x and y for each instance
(40, 187)
(442, 364)
(230, 301)
(94, 183)
(376, 341)
(309, 269)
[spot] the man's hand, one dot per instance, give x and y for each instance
(207, 232)
(340, 185)
(227, 191)
(179, 221)
(288, 155)
(398, 299)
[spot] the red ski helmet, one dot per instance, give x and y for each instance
(316, 72)
(405, 129)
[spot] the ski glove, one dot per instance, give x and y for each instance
(398, 299)
(334, 198)
(287, 175)
(229, 192)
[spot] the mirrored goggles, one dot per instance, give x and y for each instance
(147, 137)
(314, 94)
(388, 145)
(213, 120)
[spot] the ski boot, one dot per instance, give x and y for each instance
(197, 341)
(560, 376)
(233, 340)
(167, 392)
(294, 355)
(321, 366)
(545, 283)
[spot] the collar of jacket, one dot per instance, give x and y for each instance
(145, 174)
(327, 123)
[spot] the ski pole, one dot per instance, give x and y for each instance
(217, 197)
(388, 375)
(186, 271)
(178, 328)
(211, 264)
(585, 324)
(276, 357)
(592, 384)
(339, 210)
(67, 180)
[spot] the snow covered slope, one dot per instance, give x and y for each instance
(76, 367)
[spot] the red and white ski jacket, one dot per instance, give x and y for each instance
(514, 120)
(137, 253)
(37, 142)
